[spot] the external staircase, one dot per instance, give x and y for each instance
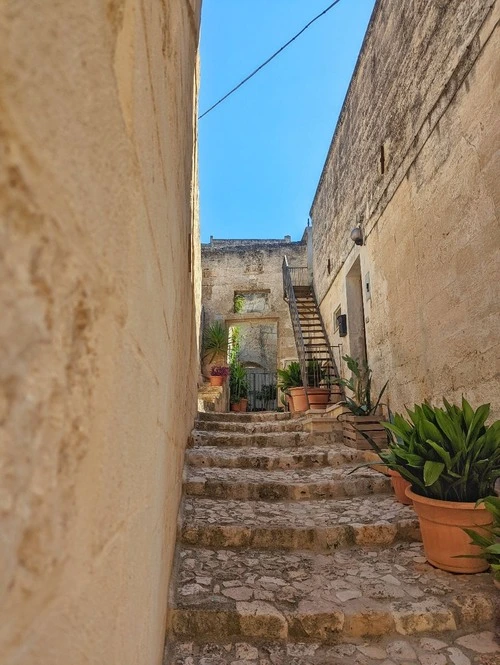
(314, 352)
(285, 557)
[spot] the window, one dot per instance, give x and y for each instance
(248, 302)
(336, 315)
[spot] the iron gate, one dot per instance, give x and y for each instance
(262, 391)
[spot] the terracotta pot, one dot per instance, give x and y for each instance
(299, 398)
(318, 397)
(235, 406)
(289, 402)
(243, 404)
(399, 485)
(216, 380)
(442, 524)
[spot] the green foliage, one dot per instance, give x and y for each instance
(268, 393)
(316, 373)
(290, 377)
(360, 384)
(489, 538)
(215, 341)
(234, 344)
(238, 303)
(446, 453)
(238, 382)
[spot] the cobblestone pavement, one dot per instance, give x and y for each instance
(285, 558)
(456, 648)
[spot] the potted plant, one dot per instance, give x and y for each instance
(238, 387)
(451, 458)
(318, 392)
(489, 540)
(363, 418)
(290, 382)
(215, 342)
(218, 374)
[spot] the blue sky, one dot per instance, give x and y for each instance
(263, 149)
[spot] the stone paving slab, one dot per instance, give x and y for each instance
(319, 525)
(297, 484)
(248, 594)
(455, 648)
(276, 458)
(260, 417)
(270, 439)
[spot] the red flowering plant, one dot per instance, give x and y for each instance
(219, 370)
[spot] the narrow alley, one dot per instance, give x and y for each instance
(286, 558)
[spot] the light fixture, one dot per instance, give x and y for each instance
(357, 235)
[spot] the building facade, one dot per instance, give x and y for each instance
(99, 293)
(415, 165)
(242, 286)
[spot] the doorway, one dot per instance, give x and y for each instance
(356, 313)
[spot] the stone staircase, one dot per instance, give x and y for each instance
(284, 558)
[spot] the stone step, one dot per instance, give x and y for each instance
(460, 647)
(355, 593)
(270, 439)
(292, 485)
(276, 458)
(291, 425)
(261, 416)
(319, 525)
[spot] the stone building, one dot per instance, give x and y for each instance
(99, 295)
(415, 165)
(242, 286)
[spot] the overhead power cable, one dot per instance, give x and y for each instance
(325, 11)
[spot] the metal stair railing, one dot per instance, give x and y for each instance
(299, 277)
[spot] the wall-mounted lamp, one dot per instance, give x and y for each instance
(357, 235)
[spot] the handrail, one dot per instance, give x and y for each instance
(300, 277)
(289, 296)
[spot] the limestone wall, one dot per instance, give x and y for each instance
(425, 98)
(250, 267)
(99, 361)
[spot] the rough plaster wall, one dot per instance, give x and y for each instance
(250, 266)
(433, 322)
(98, 361)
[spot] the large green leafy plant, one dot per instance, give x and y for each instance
(238, 382)
(290, 377)
(361, 402)
(446, 453)
(489, 539)
(215, 341)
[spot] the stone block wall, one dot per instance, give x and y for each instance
(252, 267)
(415, 162)
(98, 334)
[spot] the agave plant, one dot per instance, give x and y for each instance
(446, 453)
(215, 341)
(489, 539)
(360, 384)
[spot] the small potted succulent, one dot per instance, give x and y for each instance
(451, 459)
(218, 374)
(363, 417)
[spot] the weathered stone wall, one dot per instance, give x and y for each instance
(246, 266)
(99, 361)
(427, 89)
